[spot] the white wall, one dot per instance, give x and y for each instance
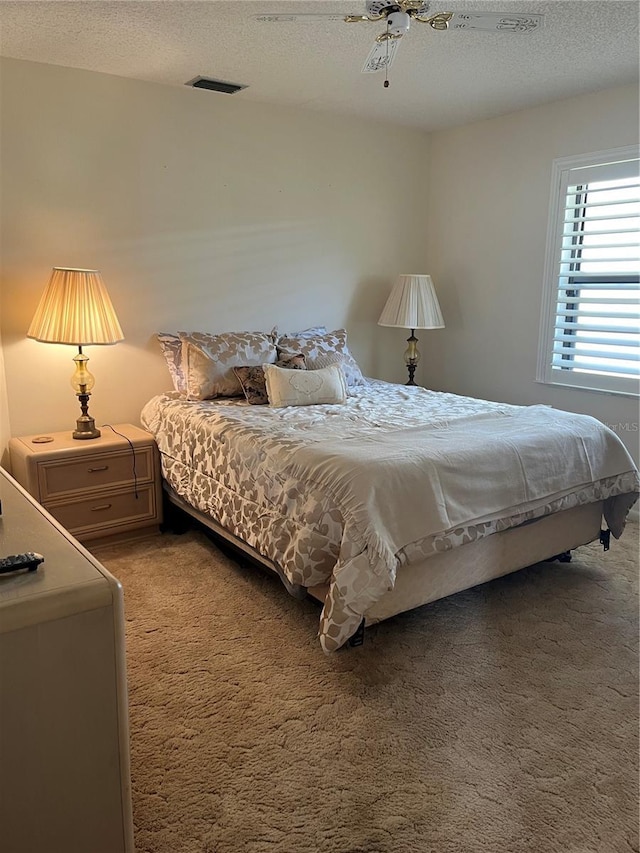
(489, 186)
(203, 212)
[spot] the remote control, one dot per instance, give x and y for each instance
(29, 561)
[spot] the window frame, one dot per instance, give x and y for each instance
(546, 373)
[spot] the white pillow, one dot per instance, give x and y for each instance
(304, 387)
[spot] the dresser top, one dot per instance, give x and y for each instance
(69, 581)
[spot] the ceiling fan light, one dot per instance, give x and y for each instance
(398, 23)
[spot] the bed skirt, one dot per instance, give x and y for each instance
(451, 571)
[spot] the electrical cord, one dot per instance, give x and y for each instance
(133, 457)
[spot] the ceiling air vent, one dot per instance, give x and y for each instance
(215, 85)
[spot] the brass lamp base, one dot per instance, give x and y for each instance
(412, 357)
(86, 429)
(412, 369)
(85, 425)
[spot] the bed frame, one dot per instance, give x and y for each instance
(547, 538)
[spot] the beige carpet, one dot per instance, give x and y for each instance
(503, 719)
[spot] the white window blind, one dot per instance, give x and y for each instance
(590, 332)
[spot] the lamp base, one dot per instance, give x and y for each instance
(86, 428)
(411, 356)
(412, 369)
(85, 425)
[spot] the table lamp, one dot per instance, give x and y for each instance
(412, 304)
(75, 309)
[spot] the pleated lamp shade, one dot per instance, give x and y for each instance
(75, 309)
(412, 304)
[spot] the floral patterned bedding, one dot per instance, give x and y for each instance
(237, 463)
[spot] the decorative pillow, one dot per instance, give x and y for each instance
(311, 332)
(333, 358)
(292, 361)
(305, 387)
(171, 347)
(208, 360)
(253, 381)
(319, 346)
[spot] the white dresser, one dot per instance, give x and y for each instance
(64, 739)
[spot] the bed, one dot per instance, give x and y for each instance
(396, 496)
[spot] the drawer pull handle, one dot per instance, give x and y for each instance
(98, 508)
(101, 468)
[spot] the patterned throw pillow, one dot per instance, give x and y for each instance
(171, 347)
(307, 388)
(311, 332)
(316, 349)
(208, 360)
(253, 380)
(329, 358)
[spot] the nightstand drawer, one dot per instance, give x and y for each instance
(58, 478)
(109, 511)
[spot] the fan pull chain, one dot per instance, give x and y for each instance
(386, 65)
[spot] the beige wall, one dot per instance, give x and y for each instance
(206, 212)
(203, 212)
(489, 186)
(5, 426)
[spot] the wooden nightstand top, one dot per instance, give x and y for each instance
(63, 443)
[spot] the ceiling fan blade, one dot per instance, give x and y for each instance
(490, 21)
(381, 55)
(302, 18)
(356, 19)
(437, 22)
(496, 22)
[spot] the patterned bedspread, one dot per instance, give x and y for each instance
(241, 465)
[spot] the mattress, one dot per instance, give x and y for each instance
(344, 494)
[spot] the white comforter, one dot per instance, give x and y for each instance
(402, 486)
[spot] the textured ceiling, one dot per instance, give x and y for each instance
(437, 80)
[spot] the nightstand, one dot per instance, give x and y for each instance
(97, 488)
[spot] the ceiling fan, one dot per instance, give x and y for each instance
(398, 15)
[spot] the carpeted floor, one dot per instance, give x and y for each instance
(503, 719)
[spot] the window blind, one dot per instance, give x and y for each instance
(594, 340)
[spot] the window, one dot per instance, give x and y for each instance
(590, 326)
